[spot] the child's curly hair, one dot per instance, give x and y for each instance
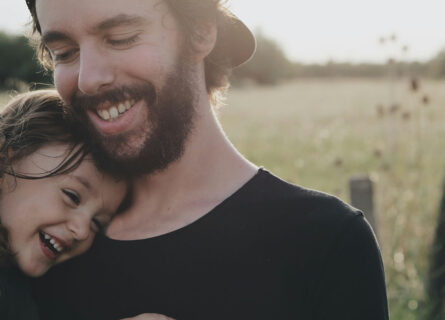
(28, 122)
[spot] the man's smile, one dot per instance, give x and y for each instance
(114, 111)
(118, 118)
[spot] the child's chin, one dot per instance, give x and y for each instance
(34, 271)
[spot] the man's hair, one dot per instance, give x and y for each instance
(27, 123)
(189, 14)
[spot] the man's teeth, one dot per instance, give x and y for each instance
(113, 112)
(104, 114)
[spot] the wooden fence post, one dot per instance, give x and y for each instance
(361, 191)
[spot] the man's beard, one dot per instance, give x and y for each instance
(170, 120)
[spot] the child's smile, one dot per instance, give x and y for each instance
(52, 219)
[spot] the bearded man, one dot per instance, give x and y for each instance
(207, 234)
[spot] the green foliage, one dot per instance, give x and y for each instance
(18, 63)
(269, 65)
(362, 70)
(437, 65)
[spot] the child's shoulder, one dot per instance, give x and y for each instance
(16, 301)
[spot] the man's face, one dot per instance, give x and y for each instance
(119, 65)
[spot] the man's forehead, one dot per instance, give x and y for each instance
(95, 13)
(235, 41)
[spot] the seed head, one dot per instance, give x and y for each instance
(406, 115)
(414, 84)
(394, 108)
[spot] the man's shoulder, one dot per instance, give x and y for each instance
(285, 199)
(307, 222)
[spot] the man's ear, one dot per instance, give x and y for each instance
(204, 39)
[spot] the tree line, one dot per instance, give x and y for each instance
(19, 66)
(18, 63)
(270, 65)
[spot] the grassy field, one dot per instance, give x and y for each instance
(319, 133)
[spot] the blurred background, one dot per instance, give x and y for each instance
(342, 96)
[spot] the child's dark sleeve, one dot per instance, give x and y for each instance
(16, 302)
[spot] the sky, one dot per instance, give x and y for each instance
(317, 31)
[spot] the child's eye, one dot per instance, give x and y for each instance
(73, 196)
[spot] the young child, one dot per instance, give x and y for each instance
(52, 197)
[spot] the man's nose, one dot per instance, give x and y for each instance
(95, 71)
(80, 226)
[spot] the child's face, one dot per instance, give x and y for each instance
(53, 219)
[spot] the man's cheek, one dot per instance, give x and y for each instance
(65, 83)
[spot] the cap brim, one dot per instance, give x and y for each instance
(235, 42)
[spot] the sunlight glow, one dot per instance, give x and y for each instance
(348, 30)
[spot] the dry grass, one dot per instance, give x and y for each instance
(319, 133)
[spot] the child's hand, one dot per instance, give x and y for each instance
(149, 316)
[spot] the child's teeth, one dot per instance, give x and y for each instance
(121, 108)
(53, 243)
(127, 105)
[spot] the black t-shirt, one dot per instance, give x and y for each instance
(272, 250)
(16, 302)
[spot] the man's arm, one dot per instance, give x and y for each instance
(352, 285)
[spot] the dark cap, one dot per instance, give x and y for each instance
(235, 41)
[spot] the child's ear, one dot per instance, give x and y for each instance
(204, 39)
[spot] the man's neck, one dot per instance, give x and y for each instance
(209, 171)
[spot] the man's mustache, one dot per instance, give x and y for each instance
(80, 102)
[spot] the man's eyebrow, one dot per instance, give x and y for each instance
(54, 36)
(120, 20)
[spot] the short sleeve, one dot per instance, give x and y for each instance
(352, 283)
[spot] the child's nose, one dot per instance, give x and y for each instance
(80, 226)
